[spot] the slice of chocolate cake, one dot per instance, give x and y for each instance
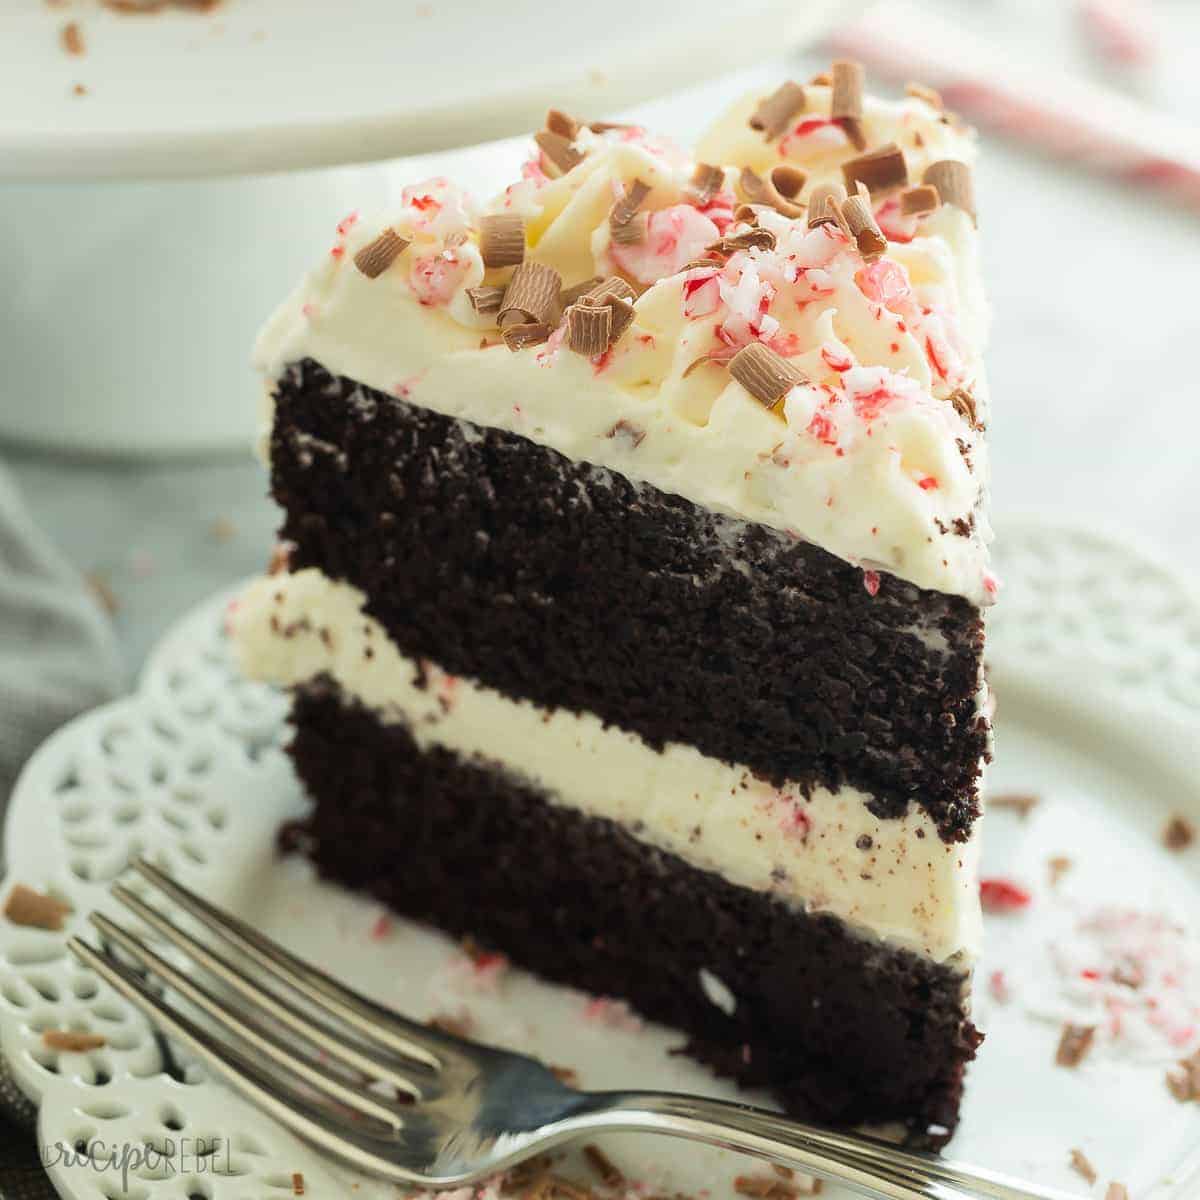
(636, 558)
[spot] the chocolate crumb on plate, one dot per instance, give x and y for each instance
(610, 1174)
(222, 529)
(1179, 833)
(72, 1041)
(1183, 1079)
(99, 586)
(1057, 867)
(1081, 1165)
(460, 1027)
(1022, 803)
(1074, 1044)
(297, 1183)
(567, 1076)
(25, 906)
(71, 37)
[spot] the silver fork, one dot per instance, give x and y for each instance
(442, 1111)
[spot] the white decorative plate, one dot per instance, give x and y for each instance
(1096, 663)
(260, 85)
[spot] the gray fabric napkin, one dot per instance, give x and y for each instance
(58, 657)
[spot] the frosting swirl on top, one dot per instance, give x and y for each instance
(877, 454)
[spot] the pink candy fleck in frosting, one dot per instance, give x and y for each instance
(871, 582)
(810, 134)
(614, 1014)
(435, 278)
(674, 236)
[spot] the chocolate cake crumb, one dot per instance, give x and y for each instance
(102, 590)
(71, 1041)
(1074, 1044)
(1179, 833)
(865, 842)
(25, 906)
(567, 1076)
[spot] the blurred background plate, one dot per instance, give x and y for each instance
(257, 85)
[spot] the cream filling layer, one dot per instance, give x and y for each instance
(893, 879)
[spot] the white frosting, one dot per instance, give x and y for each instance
(907, 887)
(869, 461)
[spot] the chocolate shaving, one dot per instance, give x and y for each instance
(954, 184)
(562, 124)
(568, 296)
(746, 214)
(1074, 1045)
(632, 433)
(697, 263)
(502, 240)
(557, 150)
(610, 1174)
(25, 906)
(880, 170)
(846, 100)
(767, 376)
(1179, 833)
(963, 402)
(862, 227)
(613, 285)
(775, 112)
(705, 183)
(917, 201)
(822, 204)
(517, 337)
(71, 1041)
(1116, 1191)
(567, 1076)
(589, 327)
(624, 227)
(714, 358)
(765, 191)
(486, 300)
(1022, 803)
(609, 126)
(777, 1187)
(759, 239)
(1081, 1165)
(931, 96)
(821, 79)
(376, 256)
(531, 296)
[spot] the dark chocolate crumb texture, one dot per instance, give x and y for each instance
(568, 585)
(839, 1028)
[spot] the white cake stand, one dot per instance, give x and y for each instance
(139, 285)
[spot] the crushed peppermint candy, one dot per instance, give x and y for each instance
(1003, 896)
(613, 1014)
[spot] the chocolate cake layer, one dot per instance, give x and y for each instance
(568, 585)
(838, 1027)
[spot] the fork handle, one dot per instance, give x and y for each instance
(870, 1167)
